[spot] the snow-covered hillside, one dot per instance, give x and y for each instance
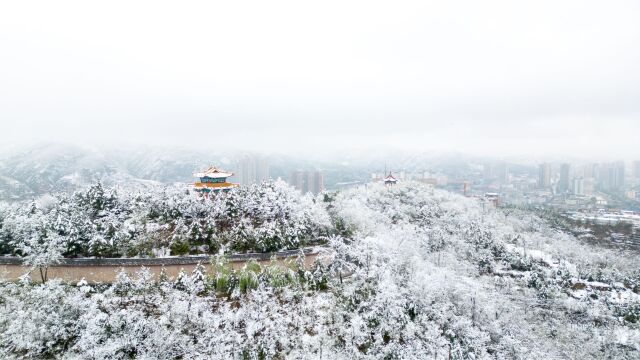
(174, 220)
(410, 273)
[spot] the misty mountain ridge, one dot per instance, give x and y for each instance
(47, 168)
(53, 168)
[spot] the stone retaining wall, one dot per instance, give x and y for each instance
(105, 270)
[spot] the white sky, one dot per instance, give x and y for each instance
(483, 77)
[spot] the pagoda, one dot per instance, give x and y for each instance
(390, 180)
(213, 179)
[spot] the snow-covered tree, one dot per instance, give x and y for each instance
(42, 251)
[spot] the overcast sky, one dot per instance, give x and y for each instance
(482, 77)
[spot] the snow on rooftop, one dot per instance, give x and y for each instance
(213, 172)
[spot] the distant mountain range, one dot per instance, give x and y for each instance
(30, 172)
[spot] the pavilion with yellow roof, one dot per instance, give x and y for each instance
(213, 179)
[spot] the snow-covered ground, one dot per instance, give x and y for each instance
(412, 274)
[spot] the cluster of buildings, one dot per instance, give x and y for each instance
(565, 185)
(569, 186)
(255, 169)
(586, 179)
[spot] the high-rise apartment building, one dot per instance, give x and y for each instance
(578, 186)
(315, 182)
(308, 181)
(589, 186)
(563, 183)
(298, 180)
(502, 171)
(544, 176)
(612, 176)
(252, 170)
